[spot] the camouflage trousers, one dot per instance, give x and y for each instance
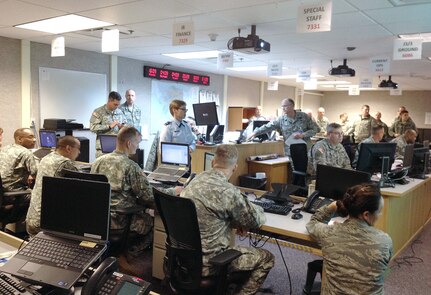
(256, 261)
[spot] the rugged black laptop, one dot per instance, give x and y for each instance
(75, 225)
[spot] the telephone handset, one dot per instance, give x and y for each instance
(106, 280)
(192, 175)
(311, 202)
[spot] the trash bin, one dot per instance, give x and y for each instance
(250, 181)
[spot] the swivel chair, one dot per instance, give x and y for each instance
(298, 154)
(183, 260)
(118, 238)
(15, 211)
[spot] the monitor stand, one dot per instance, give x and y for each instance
(385, 180)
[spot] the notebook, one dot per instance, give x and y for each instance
(175, 162)
(74, 214)
(108, 143)
(48, 141)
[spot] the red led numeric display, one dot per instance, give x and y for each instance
(166, 74)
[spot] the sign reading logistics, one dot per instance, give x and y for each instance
(407, 49)
(275, 69)
(225, 60)
(380, 65)
(366, 82)
(183, 33)
(314, 17)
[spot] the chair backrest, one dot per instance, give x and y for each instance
(83, 175)
(183, 245)
(298, 154)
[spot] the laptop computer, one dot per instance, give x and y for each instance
(48, 142)
(108, 143)
(75, 218)
(175, 162)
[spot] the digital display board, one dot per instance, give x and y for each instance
(171, 75)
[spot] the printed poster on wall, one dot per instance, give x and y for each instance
(314, 17)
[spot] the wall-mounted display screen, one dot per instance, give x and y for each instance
(171, 75)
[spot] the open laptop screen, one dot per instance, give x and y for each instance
(75, 207)
(174, 153)
(208, 157)
(108, 143)
(48, 138)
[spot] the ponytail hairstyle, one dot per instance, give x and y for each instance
(359, 199)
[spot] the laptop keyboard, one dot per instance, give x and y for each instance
(164, 170)
(60, 254)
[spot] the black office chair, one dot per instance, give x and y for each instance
(298, 155)
(183, 260)
(314, 267)
(119, 238)
(15, 211)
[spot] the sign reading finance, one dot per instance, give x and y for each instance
(183, 34)
(407, 49)
(314, 17)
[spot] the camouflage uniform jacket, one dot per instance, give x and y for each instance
(100, 120)
(385, 128)
(129, 186)
(401, 146)
(362, 128)
(17, 163)
(50, 165)
(358, 149)
(287, 126)
(322, 123)
(356, 255)
(132, 114)
(326, 154)
(220, 207)
(346, 126)
(178, 132)
(399, 127)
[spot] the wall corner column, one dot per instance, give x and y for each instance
(25, 84)
(113, 73)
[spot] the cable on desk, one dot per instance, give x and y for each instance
(285, 265)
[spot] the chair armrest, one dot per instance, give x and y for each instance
(299, 173)
(16, 194)
(128, 210)
(225, 257)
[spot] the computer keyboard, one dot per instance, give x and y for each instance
(10, 286)
(273, 208)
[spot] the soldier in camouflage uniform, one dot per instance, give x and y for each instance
(291, 123)
(344, 123)
(107, 119)
(403, 124)
(18, 165)
(330, 151)
(220, 208)
(321, 120)
(356, 255)
(379, 122)
(409, 137)
(377, 134)
(361, 128)
(129, 186)
(178, 130)
(1, 136)
(131, 111)
(66, 152)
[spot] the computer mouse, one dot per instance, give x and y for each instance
(297, 216)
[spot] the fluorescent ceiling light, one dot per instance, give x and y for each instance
(295, 76)
(63, 24)
(327, 86)
(249, 69)
(194, 55)
(426, 37)
(334, 82)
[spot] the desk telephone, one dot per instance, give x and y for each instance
(314, 202)
(106, 280)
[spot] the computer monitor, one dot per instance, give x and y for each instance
(108, 143)
(174, 153)
(214, 133)
(48, 138)
(333, 182)
(419, 167)
(258, 124)
(208, 157)
(426, 143)
(205, 113)
(408, 156)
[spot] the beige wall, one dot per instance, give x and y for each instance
(272, 99)
(312, 101)
(417, 102)
(242, 92)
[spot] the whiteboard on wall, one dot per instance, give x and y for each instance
(67, 94)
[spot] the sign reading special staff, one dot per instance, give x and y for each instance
(183, 34)
(314, 17)
(407, 49)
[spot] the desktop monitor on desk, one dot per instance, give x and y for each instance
(258, 124)
(419, 167)
(108, 143)
(206, 115)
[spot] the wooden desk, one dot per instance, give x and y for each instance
(276, 170)
(244, 150)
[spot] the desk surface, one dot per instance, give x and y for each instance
(279, 160)
(400, 190)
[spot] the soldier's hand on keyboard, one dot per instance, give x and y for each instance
(178, 190)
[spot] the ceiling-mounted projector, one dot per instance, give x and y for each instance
(250, 45)
(388, 83)
(342, 70)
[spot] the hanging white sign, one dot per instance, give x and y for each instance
(273, 85)
(380, 65)
(225, 60)
(183, 33)
(303, 75)
(354, 90)
(314, 17)
(395, 92)
(275, 68)
(365, 82)
(407, 49)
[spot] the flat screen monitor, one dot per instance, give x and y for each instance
(258, 124)
(108, 143)
(333, 182)
(372, 155)
(426, 143)
(408, 156)
(48, 138)
(174, 153)
(208, 157)
(215, 133)
(205, 113)
(420, 162)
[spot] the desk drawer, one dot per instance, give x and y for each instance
(159, 239)
(158, 255)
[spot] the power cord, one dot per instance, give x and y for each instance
(408, 259)
(285, 265)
